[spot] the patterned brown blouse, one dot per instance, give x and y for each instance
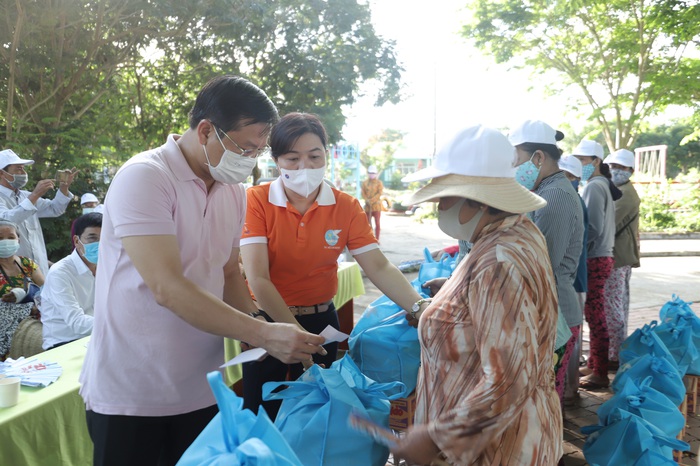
(486, 386)
(372, 194)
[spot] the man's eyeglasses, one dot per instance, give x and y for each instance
(253, 153)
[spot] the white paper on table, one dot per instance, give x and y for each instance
(246, 356)
(332, 335)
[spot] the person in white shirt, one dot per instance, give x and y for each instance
(24, 208)
(68, 296)
(90, 203)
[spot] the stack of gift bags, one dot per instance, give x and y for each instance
(312, 426)
(640, 424)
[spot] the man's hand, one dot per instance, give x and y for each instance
(68, 180)
(416, 447)
(41, 188)
(291, 345)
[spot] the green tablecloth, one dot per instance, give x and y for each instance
(47, 426)
(349, 286)
(349, 283)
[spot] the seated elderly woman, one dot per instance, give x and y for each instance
(485, 391)
(16, 273)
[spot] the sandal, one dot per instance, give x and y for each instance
(589, 384)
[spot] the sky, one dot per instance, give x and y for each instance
(449, 84)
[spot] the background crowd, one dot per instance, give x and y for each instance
(500, 338)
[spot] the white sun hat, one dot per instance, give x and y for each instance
(478, 164)
(622, 157)
(88, 197)
(572, 165)
(8, 157)
(588, 148)
(535, 132)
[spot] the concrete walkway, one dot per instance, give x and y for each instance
(669, 266)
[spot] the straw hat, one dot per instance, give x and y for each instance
(27, 339)
(478, 164)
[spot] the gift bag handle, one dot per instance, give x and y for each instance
(229, 403)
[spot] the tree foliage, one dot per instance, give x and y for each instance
(380, 149)
(88, 83)
(680, 158)
(628, 58)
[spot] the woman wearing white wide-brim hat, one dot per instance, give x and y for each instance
(486, 387)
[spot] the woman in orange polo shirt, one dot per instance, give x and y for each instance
(295, 229)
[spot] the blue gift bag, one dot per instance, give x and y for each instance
(314, 414)
(237, 437)
(678, 338)
(664, 374)
(675, 307)
(645, 341)
(638, 397)
(382, 344)
(651, 458)
(431, 268)
(627, 438)
(678, 312)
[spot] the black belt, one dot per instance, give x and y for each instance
(306, 310)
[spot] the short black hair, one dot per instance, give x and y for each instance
(291, 127)
(93, 219)
(230, 103)
(552, 151)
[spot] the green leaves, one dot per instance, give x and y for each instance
(90, 83)
(628, 58)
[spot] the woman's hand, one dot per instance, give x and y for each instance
(9, 297)
(416, 447)
(434, 285)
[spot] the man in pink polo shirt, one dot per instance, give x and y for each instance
(168, 286)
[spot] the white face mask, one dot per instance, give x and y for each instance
(232, 168)
(303, 181)
(18, 181)
(620, 177)
(448, 221)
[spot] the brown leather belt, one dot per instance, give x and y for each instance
(306, 310)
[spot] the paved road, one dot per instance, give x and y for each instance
(659, 277)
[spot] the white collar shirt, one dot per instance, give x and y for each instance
(67, 301)
(18, 209)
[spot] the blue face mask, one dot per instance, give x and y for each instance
(526, 174)
(587, 171)
(575, 185)
(91, 250)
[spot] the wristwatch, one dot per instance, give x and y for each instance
(415, 309)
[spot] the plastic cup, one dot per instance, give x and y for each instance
(9, 391)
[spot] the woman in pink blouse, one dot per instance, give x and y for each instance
(485, 392)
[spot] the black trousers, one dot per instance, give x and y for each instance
(270, 369)
(142, 440)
